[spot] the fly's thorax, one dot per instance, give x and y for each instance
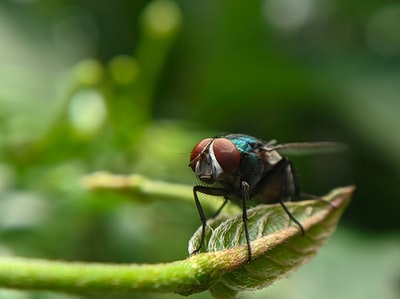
(254, 166)
(267, 191)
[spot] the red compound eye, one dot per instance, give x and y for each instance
(227, 154)
(198, 149)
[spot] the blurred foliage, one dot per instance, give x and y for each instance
(130, 86)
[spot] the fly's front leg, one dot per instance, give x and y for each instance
(210, 191)
(245, 197)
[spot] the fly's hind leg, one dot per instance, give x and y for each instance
(311, 196)
(282, 203)
(289, 188)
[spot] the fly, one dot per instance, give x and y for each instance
(241, 167)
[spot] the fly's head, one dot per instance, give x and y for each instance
(213, 159)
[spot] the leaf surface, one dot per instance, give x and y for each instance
(277, 243)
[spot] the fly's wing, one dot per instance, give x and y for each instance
(271, 142)
(304, 148)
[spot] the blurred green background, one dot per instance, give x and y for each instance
(131, 86)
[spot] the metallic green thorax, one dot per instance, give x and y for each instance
(253, 164)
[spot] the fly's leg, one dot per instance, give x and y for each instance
(289, 187)
(311, 196)
(292, 217)
(209, 191)
(245, 197)
(202, 218)
(220, 208)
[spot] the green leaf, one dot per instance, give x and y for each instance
(277, 243)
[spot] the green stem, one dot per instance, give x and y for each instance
(138, 185)
(186, 276)
(146, 189)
